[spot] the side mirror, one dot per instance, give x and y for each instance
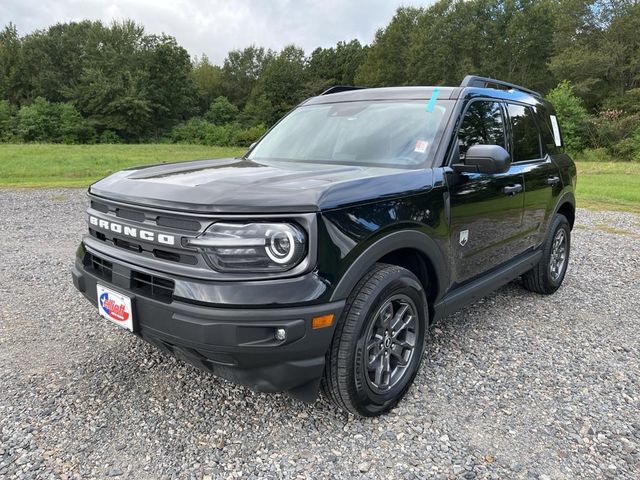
(484, 159)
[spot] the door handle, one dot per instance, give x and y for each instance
(553, 180)
(513, 189)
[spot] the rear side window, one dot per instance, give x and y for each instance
(525, 133)
(482, 125)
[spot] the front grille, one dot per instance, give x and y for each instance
(181, 224)
(136, 219)
(101, 207)
(151, 286)
(139, 248)
(143, 284)
(100, 267)
(130, 215)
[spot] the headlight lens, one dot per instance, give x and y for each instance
(253, 247)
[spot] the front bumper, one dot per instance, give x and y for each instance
(236, 343)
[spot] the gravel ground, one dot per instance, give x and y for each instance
(515, 386)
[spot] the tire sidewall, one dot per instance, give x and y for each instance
(371, 401)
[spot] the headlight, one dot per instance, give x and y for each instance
(252, 247)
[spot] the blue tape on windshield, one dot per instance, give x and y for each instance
(433, 99)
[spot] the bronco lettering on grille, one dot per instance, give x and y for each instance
(145, 235)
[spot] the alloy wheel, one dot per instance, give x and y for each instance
(391, 343)
(558, 256)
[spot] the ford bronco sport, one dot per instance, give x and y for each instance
(320, 258)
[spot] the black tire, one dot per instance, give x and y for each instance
(544, 278)
(369, 312)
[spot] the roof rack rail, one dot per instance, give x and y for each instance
(340, 88)
(485, 82)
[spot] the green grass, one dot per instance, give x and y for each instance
(609, 186)
(46, 165)
(601, 185)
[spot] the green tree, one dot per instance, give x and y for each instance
(388, 58)
(207, 79)
(257, 111)
(241, 71)
(10, 58)
(72, 127)
(571, 114)
(221, 111)
(166, 82)
(282, 82)
(508, 39)
(334, 66)
(114, 100)
(597, 48)
(52, 60)
(7, 121)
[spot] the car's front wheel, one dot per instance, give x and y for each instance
(378, 343)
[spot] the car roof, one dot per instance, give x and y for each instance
(382, 93)
(424, 93)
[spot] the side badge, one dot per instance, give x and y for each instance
(464, 237)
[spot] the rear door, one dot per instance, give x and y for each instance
(485, 209)
(530, 148)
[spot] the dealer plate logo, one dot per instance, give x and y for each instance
(115, 307)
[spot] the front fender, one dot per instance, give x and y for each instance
(391, 242)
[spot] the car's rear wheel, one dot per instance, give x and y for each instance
(547, 276)
(378, 343)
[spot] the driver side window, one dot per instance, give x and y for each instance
(482, 125)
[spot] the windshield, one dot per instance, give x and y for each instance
(398, 134)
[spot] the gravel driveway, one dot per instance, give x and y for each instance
(516, 386)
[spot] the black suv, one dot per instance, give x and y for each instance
(321, 257)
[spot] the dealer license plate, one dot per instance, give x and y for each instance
(115, 306)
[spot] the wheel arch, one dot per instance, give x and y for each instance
(413, 250)
(567, 207)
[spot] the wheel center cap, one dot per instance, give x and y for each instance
(387, 342)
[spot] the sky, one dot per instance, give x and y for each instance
(214, 27)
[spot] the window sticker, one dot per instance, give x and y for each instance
(556, 130)
(421, 146)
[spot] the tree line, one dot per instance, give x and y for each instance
(86, 82)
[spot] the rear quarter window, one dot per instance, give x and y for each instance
(524, 132)
(546, 132)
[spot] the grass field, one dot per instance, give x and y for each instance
(43, 165)
(609, 186)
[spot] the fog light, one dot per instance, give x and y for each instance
(281, 334)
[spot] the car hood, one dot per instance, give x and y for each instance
(238, 185)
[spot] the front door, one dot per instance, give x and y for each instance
(485, 209)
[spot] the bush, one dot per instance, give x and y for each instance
(221, 111)
(43, 121)
(202, 132)
(38, 122)
(599, 155)
(571, 114)
(109, 136)
(628, 102)
(258, 111)
(245, 137)
(191, 131)
(73, 128)
(617, 132)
